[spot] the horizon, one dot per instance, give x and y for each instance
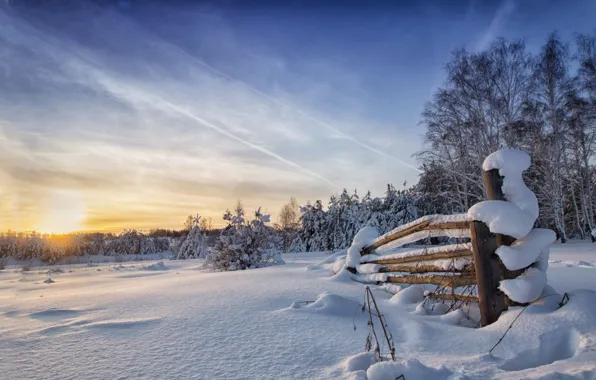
(126, 115)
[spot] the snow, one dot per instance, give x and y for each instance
(452, 218)
(525, 288)
(527, 250)
(419, 252)
(410, 369)
(515, 217)
(365, 237)
(157, 266)
(453, 318)
(435, 219)
(511, 164)
(404, 227)
(411, 294)
(503, 217)
(186, 323)
(417, 236)
(331, 304)
(369, 268)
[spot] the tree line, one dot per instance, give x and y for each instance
(507, 97)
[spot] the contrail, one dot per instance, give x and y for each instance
(87, 69)
(192, 116)
(155, 98)
(270, 98)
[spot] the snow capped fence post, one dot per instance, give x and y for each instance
(510, 257)
(489, 269)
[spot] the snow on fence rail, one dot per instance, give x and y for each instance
(494, 269)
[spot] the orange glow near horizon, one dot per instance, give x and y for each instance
(65, 213)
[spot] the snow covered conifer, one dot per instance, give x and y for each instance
(194, 246)
(243, 245)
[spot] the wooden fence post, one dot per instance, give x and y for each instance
(489, 268)
(491, 301)
(494, 183)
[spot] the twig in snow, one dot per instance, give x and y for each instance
(371, 301)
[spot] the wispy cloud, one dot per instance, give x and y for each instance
(151, 134)
(496, 26)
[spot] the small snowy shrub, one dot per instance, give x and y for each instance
(194, 246)
(243, 245)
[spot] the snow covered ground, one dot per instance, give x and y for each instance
(138, 320)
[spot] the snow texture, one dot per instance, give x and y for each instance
(392, 288)
(525, 288)
(503, 217)
(453, 318)
(406, 226)
(525, 251)
(511, 164)
(366, 236)
(97, 324)
(369, 268)
(419, 252)
(157, 266)
(435, 219)
(416, 236)
(410, 369)
(331, 304)
(339, 265)
(411, 294)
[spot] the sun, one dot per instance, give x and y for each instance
(65, 213)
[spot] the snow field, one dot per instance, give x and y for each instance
(130, 322)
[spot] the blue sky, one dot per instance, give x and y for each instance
(138, 113)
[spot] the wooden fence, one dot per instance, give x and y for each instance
(471, 265)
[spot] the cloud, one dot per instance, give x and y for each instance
(496, 26)
(144, 132)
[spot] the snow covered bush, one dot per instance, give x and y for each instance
(243, 244)
(194, 246)
(515, 217)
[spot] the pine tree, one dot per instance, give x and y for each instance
(243, 245)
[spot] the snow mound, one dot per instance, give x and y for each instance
(554, 346)
(343, 276)
(55, 271)
(525, 288)
(330, 304)
(339, 264)
(49, 281)
(328, 262)
(411, 369)
(363, 238)
(503, 218)
(527, 250)
(392, 288)
(453, 317)
(359, 362)
(411, 294)
(157, 266)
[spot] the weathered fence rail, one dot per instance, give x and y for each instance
(471, 264)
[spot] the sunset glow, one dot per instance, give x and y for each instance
(114, 117)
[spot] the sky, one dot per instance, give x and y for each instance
(135, 114)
